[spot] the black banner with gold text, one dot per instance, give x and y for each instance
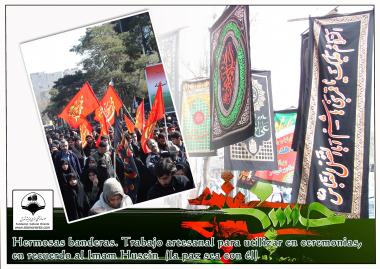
(333, 163)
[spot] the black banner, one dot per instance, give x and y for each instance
(258, 152)
(230, 84)
(303, 96)
(333, 162)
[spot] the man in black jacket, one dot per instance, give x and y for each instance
(68, 155)
(168, 183)
(76, 149)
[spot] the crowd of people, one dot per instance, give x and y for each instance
(101, 176)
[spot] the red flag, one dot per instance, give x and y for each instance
(85, 129)
(140, 117)
(158, 107)
(111, 103)
(157, 113)
(129, 124)
(101, 118)
(146, 135)
(82, 104)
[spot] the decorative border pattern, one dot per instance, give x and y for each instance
(360, 111)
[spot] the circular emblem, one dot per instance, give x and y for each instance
(33, 202)
(198, 117)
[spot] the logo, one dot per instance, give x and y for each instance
(32, 209)
(33, 202)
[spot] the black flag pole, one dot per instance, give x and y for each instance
(129, 115)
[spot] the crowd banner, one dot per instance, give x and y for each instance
(333, 162)
(195, 117)
(258, 152)
(155, 75)
(230, 84)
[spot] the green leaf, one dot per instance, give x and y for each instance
(262, 190)
(258, 214)
(271, 234)
(331, 216)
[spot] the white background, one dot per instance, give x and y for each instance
(28, 162)
(45, 213)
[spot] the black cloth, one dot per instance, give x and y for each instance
(104, 172)
(87, 167)
(135, 147)
(61, 174)
(163, 147)
(92, 191)
(76, 201)
(87, 163)
(89, 149)
(71, 158)
(333, 148)
(120, 170)
(54, 156)
(147, 180)
(130, 179)
(138, 152)
(303, 96)
(178, 184)
(232, 114)
(79, 154)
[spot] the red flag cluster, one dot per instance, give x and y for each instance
(85, 102)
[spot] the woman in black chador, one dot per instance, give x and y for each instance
(75, 198)
(62, 170)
